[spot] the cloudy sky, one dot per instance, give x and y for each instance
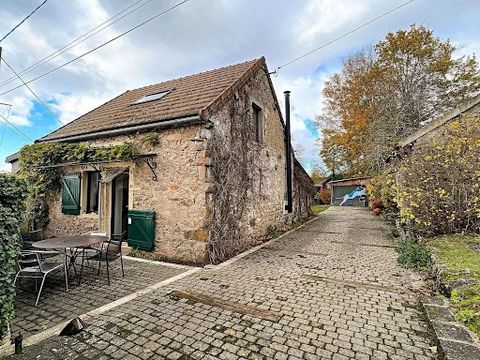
(199, 35)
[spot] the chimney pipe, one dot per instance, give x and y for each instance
(288, 153)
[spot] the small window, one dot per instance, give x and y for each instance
(151, 97)
(92, 191)
(258, 121)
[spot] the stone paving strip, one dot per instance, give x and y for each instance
(354, 284)
(363, 244)
(298, 253)
(56, 305)
(59, 322)
(217, 316)
(227, 305)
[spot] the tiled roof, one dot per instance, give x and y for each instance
(190, 95)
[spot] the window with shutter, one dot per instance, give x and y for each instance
(71, 194)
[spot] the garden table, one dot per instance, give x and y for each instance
(70, 242)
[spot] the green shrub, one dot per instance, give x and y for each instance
(412, 254)
(273, 232)
(439, 182)
(12, 205)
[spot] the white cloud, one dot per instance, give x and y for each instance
(326, 17)
(5, 168)
(203, 35)
(70, 106)
(467, 47)
(306, 102)
(19, 111)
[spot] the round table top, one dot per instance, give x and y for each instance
(70, 241)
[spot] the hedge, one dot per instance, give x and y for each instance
(12, 207)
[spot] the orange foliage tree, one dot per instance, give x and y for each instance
(382, 96)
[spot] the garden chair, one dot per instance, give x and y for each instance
(30, 238)
(111, 250)
(90, 252)
(31, 266)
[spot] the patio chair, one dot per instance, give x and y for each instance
(26, 243)
(90, 252)
(28, 239)
(111, 250)
(31, 266)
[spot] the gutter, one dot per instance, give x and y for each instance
(154, 125)
(12, 158)
(443, 119)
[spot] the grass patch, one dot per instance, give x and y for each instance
(412, 254)
(461, 256)
(318, 209)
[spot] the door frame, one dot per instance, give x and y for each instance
(112, 203)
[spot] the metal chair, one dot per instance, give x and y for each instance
(32, 237)
(31, 266)
(111, 250)
(89, 252)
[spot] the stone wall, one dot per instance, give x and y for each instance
(178, 197)
(248, 177)
(63, 224)
(303, 192)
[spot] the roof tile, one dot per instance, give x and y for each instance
(190, 95)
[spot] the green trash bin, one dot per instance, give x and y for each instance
(141, 229)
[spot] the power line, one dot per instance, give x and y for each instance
(16, 128)
(33, 93)
(78, 40)
(343, 36)
(5, 125)
(3, 133)
(21, 22)
(100, 46)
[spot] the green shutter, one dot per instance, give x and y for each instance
(71, 194)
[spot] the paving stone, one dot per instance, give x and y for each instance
(357, 312)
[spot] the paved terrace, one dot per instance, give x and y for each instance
(57, 306)
(330, 290)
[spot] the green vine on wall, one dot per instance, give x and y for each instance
(12, 206)
(43, 181)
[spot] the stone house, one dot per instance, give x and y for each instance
(210, 165)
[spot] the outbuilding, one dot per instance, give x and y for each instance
(349, 192)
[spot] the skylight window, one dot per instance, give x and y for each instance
(151, 97)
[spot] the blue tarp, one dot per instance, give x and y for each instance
(354, 194)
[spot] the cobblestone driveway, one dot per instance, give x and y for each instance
(330, 290)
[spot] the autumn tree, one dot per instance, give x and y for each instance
(346, 114)
(383, 95)
(318, 175)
